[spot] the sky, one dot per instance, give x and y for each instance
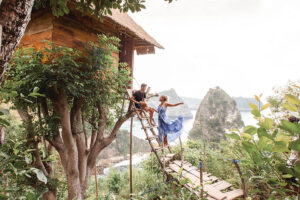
(246, 47)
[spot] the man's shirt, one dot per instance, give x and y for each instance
(139, 96)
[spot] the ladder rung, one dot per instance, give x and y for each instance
(160, 148)
(168, 170)
(167, 159)
(152, 137)
(150, 127)
(170, 155)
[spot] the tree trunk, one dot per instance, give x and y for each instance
(14, 17)
(50, 195)
(74, 187)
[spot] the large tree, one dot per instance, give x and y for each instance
(59, 92)
(15, 15)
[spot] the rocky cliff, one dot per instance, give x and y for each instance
(216, 113)
(172, 112)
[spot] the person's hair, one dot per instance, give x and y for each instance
(165, 97)
(143, 85)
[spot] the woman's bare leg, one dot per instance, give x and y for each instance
(151, 112)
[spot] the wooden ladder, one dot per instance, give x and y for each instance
(152, 136)
(214, 188)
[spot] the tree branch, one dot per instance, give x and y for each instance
(84, 130)
(92, 121)
(76, 116)
(104, 142)
(58, 144)
(27, 119)
(116, 128)
(78, 132)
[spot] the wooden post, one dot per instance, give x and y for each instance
(181, 151)
(96, 181)
(174, 189)
(127, 54)
(163, 150)
(130, 160)
(201, 177)
(205, 163)
(242, 179)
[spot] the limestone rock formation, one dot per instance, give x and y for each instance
(172, 112)
(216, 113)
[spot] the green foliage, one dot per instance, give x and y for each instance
(19, 178)
(265, 151)
(3, 122)
(95, 7)
(147, 182)
(35, 77)
(114, 182)
(279, 104)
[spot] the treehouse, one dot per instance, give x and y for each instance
(74, 30)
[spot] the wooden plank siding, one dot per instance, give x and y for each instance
(73, 30)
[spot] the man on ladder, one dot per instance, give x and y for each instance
(140, 95)
(139, 99)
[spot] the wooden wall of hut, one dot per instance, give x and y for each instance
(74, 30)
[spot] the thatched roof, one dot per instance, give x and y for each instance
(144, 43)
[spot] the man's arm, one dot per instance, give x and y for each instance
(152, 95)
(134, 101)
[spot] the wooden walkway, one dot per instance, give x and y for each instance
(214, 189)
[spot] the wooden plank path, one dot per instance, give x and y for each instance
(213, 188)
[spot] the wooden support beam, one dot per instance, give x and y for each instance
(205, 163)
(201, 178)
(127, 53)
(130, 165)
(242, 179)
(96, 181)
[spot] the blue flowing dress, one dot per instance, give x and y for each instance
(171, 129)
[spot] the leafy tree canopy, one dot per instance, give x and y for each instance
(58, 89)
(96, 7)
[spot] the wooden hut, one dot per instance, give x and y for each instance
(74, 30)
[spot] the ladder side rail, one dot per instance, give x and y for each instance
(147, 135)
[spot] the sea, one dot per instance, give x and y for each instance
(137, 131)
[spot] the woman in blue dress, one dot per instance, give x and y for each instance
(169, 130)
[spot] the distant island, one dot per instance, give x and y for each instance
(242, 103)
(217, 113)
(173, 112)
